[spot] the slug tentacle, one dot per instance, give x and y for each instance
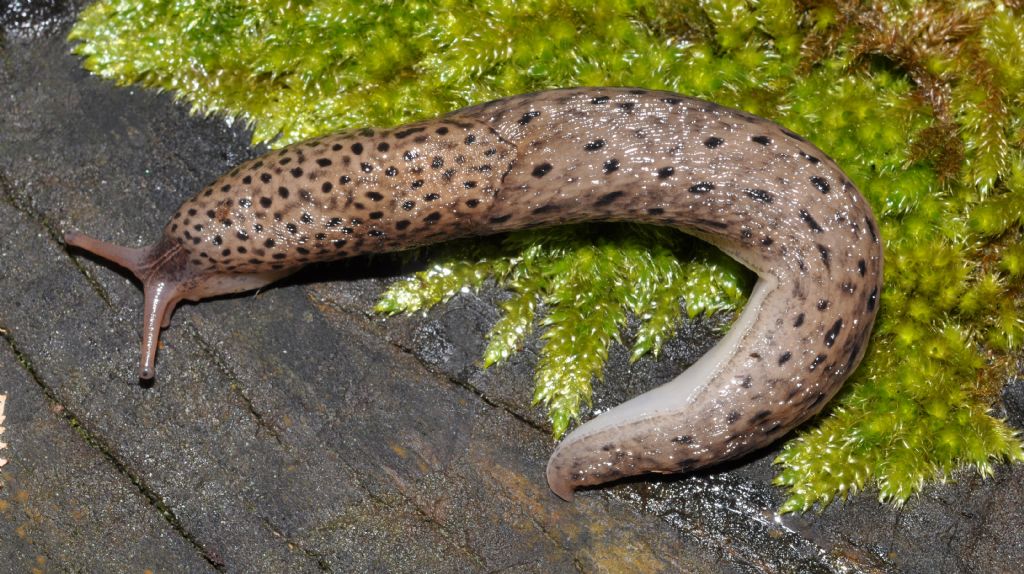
(167, 277)
(761, 193)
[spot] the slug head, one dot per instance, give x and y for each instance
(168, 275)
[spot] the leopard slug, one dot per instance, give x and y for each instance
(759, 192)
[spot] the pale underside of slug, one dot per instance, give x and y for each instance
(759, 192)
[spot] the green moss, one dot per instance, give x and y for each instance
(918, 101)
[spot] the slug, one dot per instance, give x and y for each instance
(759, 192)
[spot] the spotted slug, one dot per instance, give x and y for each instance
(759, 192)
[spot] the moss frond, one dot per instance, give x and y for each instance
(919, 101)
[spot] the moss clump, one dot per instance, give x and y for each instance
(918, 101)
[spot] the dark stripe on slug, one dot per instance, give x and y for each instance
(706, 222)
(594, 145)
(810, 158)
(871, 228)
(763, 140)
(830, 336)
(600, 100)
(609, 198)
(799, 320)
(398, 135)
(873, 298)
(825, 256)
(810, 222)
(862, 267)
(501, 218)
(547, 208)
(817, 361)
(785, 357)
(793, 135)
(702, 187)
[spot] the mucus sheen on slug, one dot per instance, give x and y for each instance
(759, 192)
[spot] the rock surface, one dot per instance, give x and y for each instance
(294, 430)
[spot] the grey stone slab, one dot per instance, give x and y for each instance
(64, 505)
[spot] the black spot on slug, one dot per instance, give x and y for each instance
(799, 320)
(391, 171)
(323, 162)
(665, 172)
(357, 148)
(541, 170)
(611, 165)
(527, 117)
(760, 195)
(821, 183)
(432, 217)
(283, 192)
(830, 336)
(872, 298)
(441, 131)
(600, 100)
(594, 145)
(296, 172)
(763, 140)
(862, 267)
(784, 357)
(822, 304)
(367, 168)
(713, 142)
(702, 187)
(374, 196)
(501, 218)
